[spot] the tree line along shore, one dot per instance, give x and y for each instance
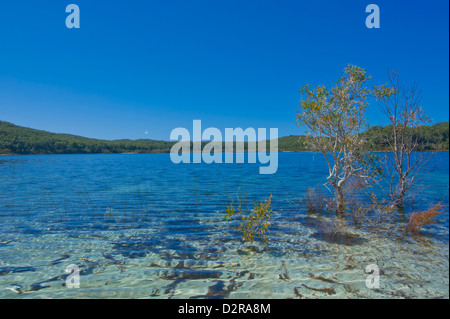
(20, 140)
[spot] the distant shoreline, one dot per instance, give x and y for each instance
(19, 140)
(130, 153)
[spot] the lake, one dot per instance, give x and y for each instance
(139, 226)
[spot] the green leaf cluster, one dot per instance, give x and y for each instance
(255, 223)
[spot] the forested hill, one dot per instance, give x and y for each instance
(21, 140)
(430, 137)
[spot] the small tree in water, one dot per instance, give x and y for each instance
(255, 223)
(404, 163)
(335, 119)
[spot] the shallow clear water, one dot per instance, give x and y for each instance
(139, 226)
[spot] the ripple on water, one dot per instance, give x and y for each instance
(164, 236)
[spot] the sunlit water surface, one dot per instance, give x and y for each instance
(139, 226)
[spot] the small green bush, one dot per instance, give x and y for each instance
(256, 223)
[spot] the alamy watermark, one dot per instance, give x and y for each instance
(373, 19)
(73, 19)
(73, 280)
(373, 280)
(213, 151)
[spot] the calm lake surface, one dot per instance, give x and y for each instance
(139, 226)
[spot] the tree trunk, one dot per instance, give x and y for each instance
(340, 202)
(401, 196)
(400, 201)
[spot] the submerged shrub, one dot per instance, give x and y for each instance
(379, 208)
(315, 201)
(255, 223)
(427, 217)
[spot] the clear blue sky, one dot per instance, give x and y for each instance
(137, 66)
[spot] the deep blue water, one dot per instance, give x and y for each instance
(140, 226)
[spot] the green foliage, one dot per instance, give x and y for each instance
(336, 113)
(21, 140)
(255, 223)
(292, 143)
(335, 119)
(429, 137)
